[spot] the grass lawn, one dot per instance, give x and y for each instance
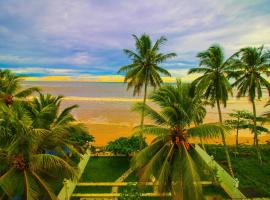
(108, 169)
(105, 169)
(102, 169)
(254, 179)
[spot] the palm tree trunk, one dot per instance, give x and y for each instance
(142, 116)
(256, 133)
(237, 134)
(224, 141)
(236, 140)
(144, 101)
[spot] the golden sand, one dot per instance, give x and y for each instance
(110, 118)
(103, 99)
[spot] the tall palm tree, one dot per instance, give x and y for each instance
(213, 83)
(25, 165)
(251, 67)
(145, 68)
(10, 87)
(170, 157)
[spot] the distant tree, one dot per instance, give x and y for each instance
(125, 145)
(237, 123)
(213, 83)
(145, 68)
(82, 138)
(250, 71)
(249, 118)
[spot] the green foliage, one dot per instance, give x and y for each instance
(103, 169)
(266, 115)
(213, 83)
(34, 138)
(145, 69)
(45, 112)
(169, 157)
(250, 69)
(124, 145)
(239, 119)
(131, 192)
(81, 139)
(10, 88)
(244, 120)
(253, 177)
(25, 166)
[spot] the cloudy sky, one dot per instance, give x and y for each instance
(83, 39)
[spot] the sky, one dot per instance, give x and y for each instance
(83, 40)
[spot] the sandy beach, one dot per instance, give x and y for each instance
(108, 119)
(106, 110)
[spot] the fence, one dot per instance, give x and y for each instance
(69, 186)
(229, 184)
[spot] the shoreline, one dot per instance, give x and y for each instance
(110, 118)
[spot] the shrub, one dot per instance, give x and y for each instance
(125, 145)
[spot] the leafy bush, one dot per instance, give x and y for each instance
(81, 138)
(125, 145)
(131, 193)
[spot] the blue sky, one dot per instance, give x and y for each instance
(85, 38)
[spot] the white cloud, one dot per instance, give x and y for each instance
(91, 34)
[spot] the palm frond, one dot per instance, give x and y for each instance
(152, 130)
(54, 164)
(27, 92)
(210, 130)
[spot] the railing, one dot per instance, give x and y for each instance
(229, 184)
(90, 196)
(69, 186)
(87, 184)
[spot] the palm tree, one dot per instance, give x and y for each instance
(10, 85)
(144, 69)
(214, 84)
(45, 113)
(251, 67)
(25, 165)
(170, 157)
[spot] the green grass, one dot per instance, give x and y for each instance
(108, 169)
(102, 169)
(93, 189)
(254, 179)
(105, 169)
(132, 177)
